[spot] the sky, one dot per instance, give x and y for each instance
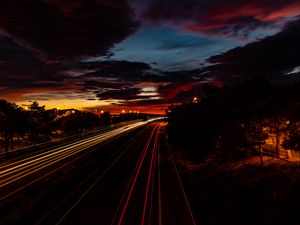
(140, 55)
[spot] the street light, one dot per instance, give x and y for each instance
(195, 100)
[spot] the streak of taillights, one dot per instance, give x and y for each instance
(136, 175)
(150, 174)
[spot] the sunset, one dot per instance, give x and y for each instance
(66, 54)
(151, 112)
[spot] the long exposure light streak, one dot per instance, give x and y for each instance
(136, 175)
(15, 171)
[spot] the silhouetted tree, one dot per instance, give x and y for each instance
(292, 139)
(79, 121)
(105, 118)
(13, 123)
(257, 136)
(39, 123)
(234, 120)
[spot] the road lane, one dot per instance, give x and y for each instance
(174, 203)
(68, 138)
(95, 201)
(143, 188)
(132, 180)
(15, 173)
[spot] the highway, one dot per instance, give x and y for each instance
(123, 176)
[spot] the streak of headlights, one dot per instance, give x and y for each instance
(18, 170)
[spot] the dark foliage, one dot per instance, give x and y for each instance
(13, 123)
(233, 121)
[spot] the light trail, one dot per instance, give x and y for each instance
(151, 151)
(112, 162)
(56, 150)
(159, 188)
(53, 153)
(128, 185)
(156, 145)
(150, 174)
(93, 185)
(13, 172)
(136, 175)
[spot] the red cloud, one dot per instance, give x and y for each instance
(218, 16)
(176, 90)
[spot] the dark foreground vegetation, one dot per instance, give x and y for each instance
(241, 192)
(219, 141)
(234, 122)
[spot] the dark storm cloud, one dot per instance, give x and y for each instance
(128, 81)
(272, 57)
(45, 46)
(120, 69)
(111, 75)
(41, 41)
(231, 17)
(145, 102)
(15, 58)
(94, 85)
(61, 29)
(121, 94)
(22, 71)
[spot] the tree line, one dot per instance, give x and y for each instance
(236, 121)
(35, 124)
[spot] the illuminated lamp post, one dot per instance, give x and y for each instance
(195, 100)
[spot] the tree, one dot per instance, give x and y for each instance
(106, 118)
(35, 106)
(278, 125)
(39, 119)
(292, 139)
(13, 122)
(257, 136)
(79, 121)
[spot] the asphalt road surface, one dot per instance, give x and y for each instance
(125, 176)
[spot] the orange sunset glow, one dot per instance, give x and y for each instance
(149, 112)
